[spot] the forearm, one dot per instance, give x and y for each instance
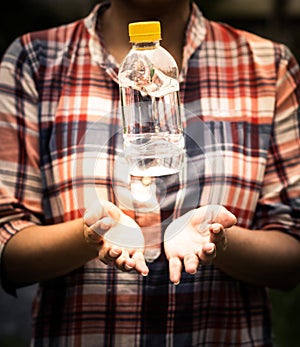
(43, 252)
(268, 258)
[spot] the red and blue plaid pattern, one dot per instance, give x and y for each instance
(61, 134)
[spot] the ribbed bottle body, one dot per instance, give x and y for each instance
(152, 129)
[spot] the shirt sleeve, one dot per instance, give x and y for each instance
(20, 177)
(279, 204)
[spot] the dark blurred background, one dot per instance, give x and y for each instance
(278, 20)
(275, 19)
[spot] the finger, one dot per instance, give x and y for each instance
(108, 254)
(114, 253)
(102, 225)
(92, 238)
(140, 263)
(222, 216)
(209, 250)
(213, 214)
(207, 253)
(216, 228)
(101, 209)
(218, 235)
(175, 268)
(191, 263)
(112, 210)
(124, 262)
(94, 212)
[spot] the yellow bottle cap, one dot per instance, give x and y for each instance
(144, 31)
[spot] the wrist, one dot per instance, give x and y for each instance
(92, 239)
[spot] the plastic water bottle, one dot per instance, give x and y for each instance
(149, 90)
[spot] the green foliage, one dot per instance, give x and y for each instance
(286, 317)
(12, 341)
(207, 7)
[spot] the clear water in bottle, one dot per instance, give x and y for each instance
(149, 87)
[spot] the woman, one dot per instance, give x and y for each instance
(241, 96)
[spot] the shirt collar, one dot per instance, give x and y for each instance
(99, 53)
(195, 34)
(196, 31)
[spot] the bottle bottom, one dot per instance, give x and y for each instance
(152, 170)
(154, 159)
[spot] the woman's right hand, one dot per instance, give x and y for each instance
(116, 237)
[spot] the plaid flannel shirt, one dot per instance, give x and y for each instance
(61, 139)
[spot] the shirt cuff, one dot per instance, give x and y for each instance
(7, 231)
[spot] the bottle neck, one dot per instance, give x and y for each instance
(145, 45)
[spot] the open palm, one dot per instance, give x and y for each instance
(191, 239)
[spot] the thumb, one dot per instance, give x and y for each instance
(214, 214)
(100, 209)
(219, 214)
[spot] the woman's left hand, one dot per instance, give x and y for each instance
(193, 239)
